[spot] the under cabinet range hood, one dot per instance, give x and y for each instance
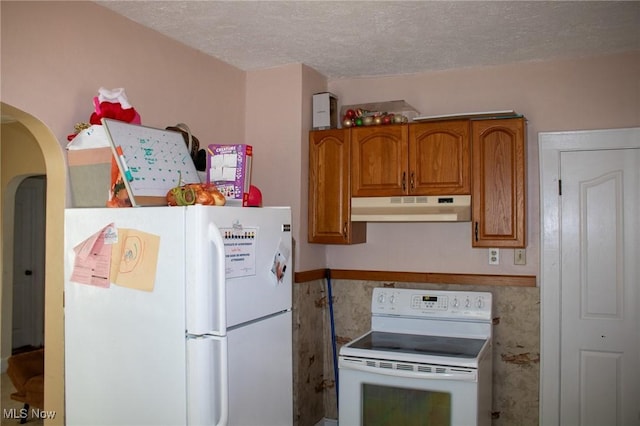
(431, 208)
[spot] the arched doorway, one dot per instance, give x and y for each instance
(30, 148)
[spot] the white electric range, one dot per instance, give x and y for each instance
(426, 360)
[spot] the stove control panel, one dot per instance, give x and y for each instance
(432, 303)
(429, 301)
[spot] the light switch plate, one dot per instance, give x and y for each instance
(520, 257)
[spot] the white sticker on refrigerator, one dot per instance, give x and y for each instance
(240, 251)
(279, 266)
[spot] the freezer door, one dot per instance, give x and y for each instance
(257, 261)
(250, 297)
(125, 351)
(207, 380)
(261, 373)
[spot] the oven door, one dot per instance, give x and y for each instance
(389, 393)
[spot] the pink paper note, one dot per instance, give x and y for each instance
(93, 258)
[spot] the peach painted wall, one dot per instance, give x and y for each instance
(273, 128)
(279, 112)
(278, 120)
(56, 55)
(590, 93)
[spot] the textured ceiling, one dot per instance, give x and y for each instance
(346, 39)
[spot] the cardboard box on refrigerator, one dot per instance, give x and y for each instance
(229, 168)
(89, 158)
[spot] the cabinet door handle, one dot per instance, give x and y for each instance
(476, 231)
(412, 181)
(404, 181)
(344, 230)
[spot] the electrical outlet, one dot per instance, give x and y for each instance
(494, 256)
(520, 257)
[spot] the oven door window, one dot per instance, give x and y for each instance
(386, 405)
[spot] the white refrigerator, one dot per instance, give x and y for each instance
(178, 316)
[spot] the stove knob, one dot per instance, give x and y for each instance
(455, 302)
(392, 299)
(480, 303)
(381, 298)
(467, 303)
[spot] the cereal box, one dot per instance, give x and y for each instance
(229, 168)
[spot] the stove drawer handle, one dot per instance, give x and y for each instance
(463, 376)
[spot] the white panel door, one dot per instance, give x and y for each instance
(28, 264)
(600, 288)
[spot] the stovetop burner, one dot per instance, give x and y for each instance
(454, 347)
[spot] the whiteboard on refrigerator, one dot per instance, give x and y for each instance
(151, 160)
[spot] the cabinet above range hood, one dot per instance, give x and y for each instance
(432, 208)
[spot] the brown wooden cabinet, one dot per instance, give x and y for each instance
(330, 189)
(379, 160)
(484, 157)
(499, 183)
(439, 158)
(417, 159)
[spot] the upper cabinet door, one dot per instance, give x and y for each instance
(499, 182)
(379, 161)
(329, 190)
(439, 158)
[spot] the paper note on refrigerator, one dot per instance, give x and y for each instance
(134, 259)
(240, 251)
(92, 258)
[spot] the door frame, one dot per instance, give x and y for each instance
(551, 145)
(48, 159)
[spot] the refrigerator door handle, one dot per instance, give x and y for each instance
(206, 291)
(219, 275)
(207, 380)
